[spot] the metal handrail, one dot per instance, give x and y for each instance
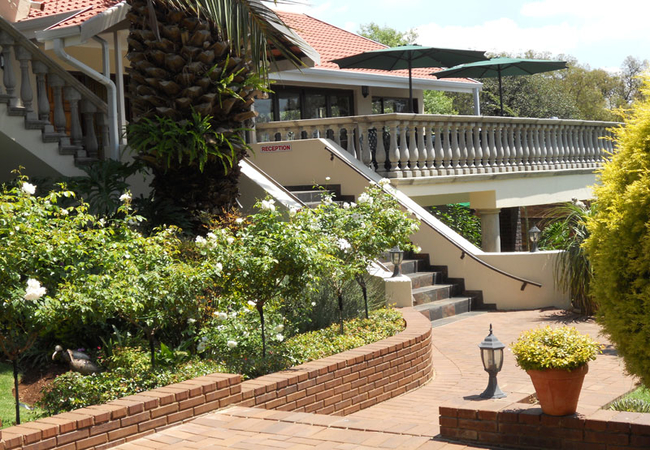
(464, 252)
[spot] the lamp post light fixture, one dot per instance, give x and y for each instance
(492, 357)
(533, 236)
(396, 257)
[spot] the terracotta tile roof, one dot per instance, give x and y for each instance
(91, 8)
(332, 43)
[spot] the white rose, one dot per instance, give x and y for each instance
(344, 245)
(28, 188)
(221, 315)
(231, 344)
(279, 328)
(200, 240)
(126, 197)
(365, 198)
(201, 347)
(230, 240)
(279, 337)
(211, 236)
(293, 211)
(64, 212)
(384, 182)
(34, 290)
(239, 220)
(268, 205)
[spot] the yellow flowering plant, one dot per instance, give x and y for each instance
(554, 348)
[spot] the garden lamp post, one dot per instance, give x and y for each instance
(492, 357)
(533, 236)
(396, 257)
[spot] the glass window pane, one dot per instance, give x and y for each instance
(315, 106)
(376, 105)
(340, 106)
(264, 108)
(289, 105)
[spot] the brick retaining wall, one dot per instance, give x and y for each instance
(340, 384)
(526, 427)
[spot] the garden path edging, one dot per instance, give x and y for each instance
(339, 384)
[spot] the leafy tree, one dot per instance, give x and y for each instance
(40, 247)
(461, 219)
(619, 244)
(196, 68)
(357, 234)
(264, 259)
(578, 92)
(438, 102)
(631, 81)
(387, 35)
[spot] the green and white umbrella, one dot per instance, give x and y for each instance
(501, 67)
(409, 57)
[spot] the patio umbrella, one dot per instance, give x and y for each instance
(409, 57)
(498, 67)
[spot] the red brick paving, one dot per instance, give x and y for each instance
(410, 421)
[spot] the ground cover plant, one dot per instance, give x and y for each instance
(158, 308)
(636, 401)
(129, 367)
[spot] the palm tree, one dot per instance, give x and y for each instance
(196, 68)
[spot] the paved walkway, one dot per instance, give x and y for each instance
(410, 421)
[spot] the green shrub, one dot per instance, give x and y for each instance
(461, 219)
(72, 390)
(382, 323)
(554, 348)
(619, 245)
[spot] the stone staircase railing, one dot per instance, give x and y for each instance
(422, 145)
(27, 76)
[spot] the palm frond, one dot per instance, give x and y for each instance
(249, 26)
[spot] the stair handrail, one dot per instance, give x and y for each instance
(525, 282)
(56, 69)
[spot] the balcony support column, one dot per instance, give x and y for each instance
(490, 232)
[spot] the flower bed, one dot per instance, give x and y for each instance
(339, 384)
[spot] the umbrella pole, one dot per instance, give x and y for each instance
(410, 88)
(500, 92)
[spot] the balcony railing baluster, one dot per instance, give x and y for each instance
(401, 145)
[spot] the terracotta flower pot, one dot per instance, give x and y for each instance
(558, 390)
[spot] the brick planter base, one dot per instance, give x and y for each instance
(339, 385)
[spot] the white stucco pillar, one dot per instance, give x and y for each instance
(477, 102)
(490, 232)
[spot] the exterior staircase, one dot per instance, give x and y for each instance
(311, 196)
(436, 295)
(50, 122)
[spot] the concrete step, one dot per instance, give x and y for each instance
(445, 308)
(409, 266)
(451, 319)
(423, 279)
(428, 294)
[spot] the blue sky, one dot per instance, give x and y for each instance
(599, 33)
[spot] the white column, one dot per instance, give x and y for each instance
(490, 231)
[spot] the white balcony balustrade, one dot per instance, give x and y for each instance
(419, 145)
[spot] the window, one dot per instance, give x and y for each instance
(291, 103)
(387, 105)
